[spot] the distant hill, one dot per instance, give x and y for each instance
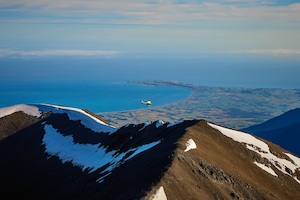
(69, 153)
(283, 130)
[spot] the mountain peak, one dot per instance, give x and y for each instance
(68, 154)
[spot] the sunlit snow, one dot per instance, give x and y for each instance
(29, 110)
(294, 158)
(159, 194)
(190, 144)
(74, 114)
(266, 168)
(260, 147)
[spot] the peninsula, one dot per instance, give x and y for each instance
(232, 107)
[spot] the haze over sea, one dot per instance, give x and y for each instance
(98, 84)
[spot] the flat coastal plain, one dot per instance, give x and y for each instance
(232, 107)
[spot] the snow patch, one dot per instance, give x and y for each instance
(145, 125)
(266, 168)
(27, 109)
(101, 179)
(294, 158)
(173, 124)
(142, 148)
(74, 114)
(159, 123)
(170, 125)
(159, 194)
(242, 137)
(260, 147)
(297, 180)
(190, 144)
(86, 156)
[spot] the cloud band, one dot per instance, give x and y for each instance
(41, 53)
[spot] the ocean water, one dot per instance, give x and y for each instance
(97, 96)
(98, 84)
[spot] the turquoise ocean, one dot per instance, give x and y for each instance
(101, 84)
(97, 96)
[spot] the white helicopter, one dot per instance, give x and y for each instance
(148, 103)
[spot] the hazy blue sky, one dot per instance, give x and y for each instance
(148, 27)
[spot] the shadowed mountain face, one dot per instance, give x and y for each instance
(65, 155)
(283, 130)
(15, 122)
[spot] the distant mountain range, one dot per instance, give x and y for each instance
(57, 152)
(283, 130)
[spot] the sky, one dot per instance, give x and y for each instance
(114, 28)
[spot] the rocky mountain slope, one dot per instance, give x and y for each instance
(283, 130)
(68, 153)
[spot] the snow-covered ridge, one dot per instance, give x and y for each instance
(74, 114)
(27, 109)
(76, 110)
(260, 147)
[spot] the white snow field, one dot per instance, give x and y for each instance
(86, 156)
(260, 147)
(190, 144)
(266, 168)
(27, 109)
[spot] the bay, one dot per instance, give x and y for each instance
(97, 96)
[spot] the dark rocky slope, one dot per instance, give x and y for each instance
(140, 159)
(15, 122)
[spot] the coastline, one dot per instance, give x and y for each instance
(232, 107)
(147, 83)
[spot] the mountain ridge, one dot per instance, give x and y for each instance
(285, 119)
(282, 130)
(64, 156)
